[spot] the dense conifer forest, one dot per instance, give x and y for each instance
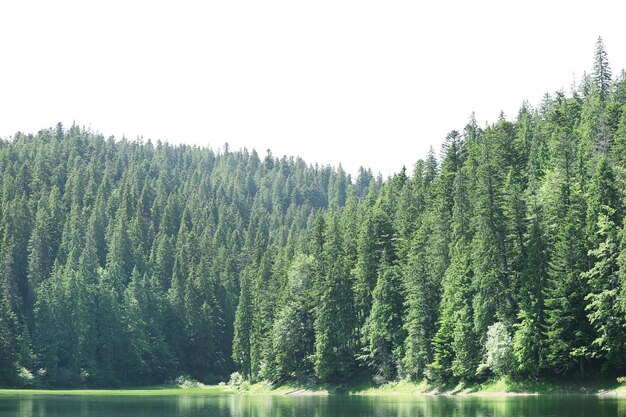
(504, 254)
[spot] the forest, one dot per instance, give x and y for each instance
(129, 263)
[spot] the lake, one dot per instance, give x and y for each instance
(225, 405)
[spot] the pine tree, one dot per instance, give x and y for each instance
(602, 194)
(456, 343)
(421, 307)
(112, 355)
(604, 310)
(384, 326)
(9, 336)
(601, 70)
(367, 261)
(567, 327)
(244, 319)
(293, 332)
(335, 322)
(528, 340)
(493, 299)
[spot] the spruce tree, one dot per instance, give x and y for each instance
(601, 70)
(335, 321)
(384, 325)
(244, 318)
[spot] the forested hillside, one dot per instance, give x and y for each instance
(131, 263)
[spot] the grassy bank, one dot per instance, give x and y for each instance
(501, 387)
(159, 390)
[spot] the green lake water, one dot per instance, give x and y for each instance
(223, 405)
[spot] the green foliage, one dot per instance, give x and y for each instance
(604, 309)
(528, 345)
(9, 354)
(293, 331)
(123, 262)
(601, 70)
(243, 328)
(335, 322)
(498, 350)
(421, 307)
(384, 326)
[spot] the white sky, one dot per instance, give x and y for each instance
(371, 83)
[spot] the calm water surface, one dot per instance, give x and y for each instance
(331, 406)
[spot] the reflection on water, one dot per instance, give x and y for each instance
(331, 406)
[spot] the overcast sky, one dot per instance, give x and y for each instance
(370, 83)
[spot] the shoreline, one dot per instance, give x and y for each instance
(499, 388)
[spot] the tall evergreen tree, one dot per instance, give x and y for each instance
(384, 326)
(601, 70)
(335, 322)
